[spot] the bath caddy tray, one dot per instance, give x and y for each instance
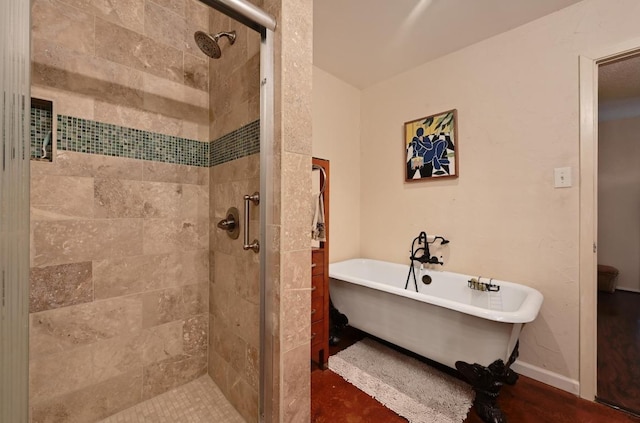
(475, 283)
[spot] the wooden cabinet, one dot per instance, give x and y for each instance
(320, 280)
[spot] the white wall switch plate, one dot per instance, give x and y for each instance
(562, 177)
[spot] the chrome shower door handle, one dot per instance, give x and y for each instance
(255, 199)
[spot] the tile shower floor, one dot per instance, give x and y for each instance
(194, 402)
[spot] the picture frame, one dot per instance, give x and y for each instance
(430, 147)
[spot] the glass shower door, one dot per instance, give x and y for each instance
(14, 208)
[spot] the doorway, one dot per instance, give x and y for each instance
(618, 232)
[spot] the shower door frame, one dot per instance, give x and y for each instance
(260, 21)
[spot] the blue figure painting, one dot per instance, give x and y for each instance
(430, 147)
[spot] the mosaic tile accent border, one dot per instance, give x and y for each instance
(41, 125)
(236, 144)
(88, 136)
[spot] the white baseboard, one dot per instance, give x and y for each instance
(545, 376)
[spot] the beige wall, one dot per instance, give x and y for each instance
(619, 199)
(517, 101)
(336, 137)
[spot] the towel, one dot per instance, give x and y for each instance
(317, 228)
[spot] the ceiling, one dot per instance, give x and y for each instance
(363, 42)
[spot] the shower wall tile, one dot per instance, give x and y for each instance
(134, 50)
(296, 194)
(195, 298)
(174, 200)
(292, 150)
(66, 103)
(65, 163)
(234, 335)
(197, 19)
(162, 342)
(112, 167)
(61, 197)
(175, 6)
(195, 335)
(84, 324)
(169, 235)
(64, 372)
(162, 306)
(57, 67)
(230, 347)
(60, 286)
(245, 399)
(178, 93)
(180, 174)
(165, 25)
(56, 22)
(296, 385)
(154, 122)
(105, 204)
(131, 275)
(296, 323)
(296, 270)
(184, 102)
(118, 198)
(167, 305)
(127, 13)
(170, 373)
(297, 80)
(234, 81)
(60, 373)
(59, 242)
(196, 73)
(93, 403)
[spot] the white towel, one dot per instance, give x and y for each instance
(317, 228)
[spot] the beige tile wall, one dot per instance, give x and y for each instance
(130, 62)
(290, 269)
(234, 78)
(119, 247)
(234, 307)
(234, 291)
(140, 82)
(119, 286)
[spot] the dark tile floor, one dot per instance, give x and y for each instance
(619, 349)
(335, 401)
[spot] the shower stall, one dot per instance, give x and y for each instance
(129, 287)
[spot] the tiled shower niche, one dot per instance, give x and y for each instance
(41, 130)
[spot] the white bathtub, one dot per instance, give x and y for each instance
(445, 321)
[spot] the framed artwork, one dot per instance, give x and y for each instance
(431, 147)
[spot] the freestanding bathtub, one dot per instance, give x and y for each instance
(446, 321)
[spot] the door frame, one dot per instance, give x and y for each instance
(588, 81)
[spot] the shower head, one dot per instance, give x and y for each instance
(209, 43)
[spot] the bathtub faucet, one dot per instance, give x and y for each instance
(422, 255)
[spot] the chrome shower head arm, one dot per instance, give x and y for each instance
(231, 35)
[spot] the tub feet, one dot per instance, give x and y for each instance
(487, 381)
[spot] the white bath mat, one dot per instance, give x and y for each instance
(414, 390)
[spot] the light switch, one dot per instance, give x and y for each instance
(562, 177)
